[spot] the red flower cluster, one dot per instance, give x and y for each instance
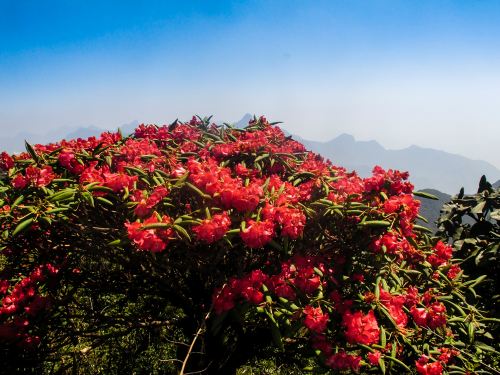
(361, 328)
(145, 204)
(67, 159)
(248, 288)
(433, 316)
(292, 221)
(344, 362)
(315, 319)
(104, 177)
(442, 254)
(340, 306)
(423, 368)
(393, 244)
(24, 298)
(257, 234)
(453, 271)
(212, 230)
(150, 239)
(394, 305)
(407, 209)
(376, 183)
(374, 358)
(298, 271)
(6, 161)
(39, 177)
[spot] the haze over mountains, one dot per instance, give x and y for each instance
(429, 168)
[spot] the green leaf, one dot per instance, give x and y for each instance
(275, 245)
(181, 180)
(59, 209)
(156, 226)
(104, 201)
(137, 171)
(100, 188)
(381, 363)
(17, 202)
(425, 195)
(398, 362)
(197, 191)
(23, 226)
(31, 151)
(375, 224)
(119, 242)
(423, 219)
(420, 228)
(182, 231)
(478, 208)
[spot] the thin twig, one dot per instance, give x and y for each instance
(198, 333)
(197, 372)
(175, 342)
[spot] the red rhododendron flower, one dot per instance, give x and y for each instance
(278, 284)
(150, 239)
(453, 271)
(306, 280)
(39, 177)
(249, 287)
(214, 229)
(340, 306)
(392, 205)
(19, 182)
(436, 261)
(374, 358)
(394, 305)
(436, 315)
(359, 328)
(6, 161)
(412, 297)
(429, 369)
(344, 362)
(224, 300)
(315, 320)
(258, 234)
(118, 181)
(445, 356)
(419, 316)
(321, 343)
(443, 251)
(142, 208)
(66, 156)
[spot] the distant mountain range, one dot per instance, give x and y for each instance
(16, 144)
(429, 168)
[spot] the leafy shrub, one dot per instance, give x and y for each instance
(220, 242)
(471, 225)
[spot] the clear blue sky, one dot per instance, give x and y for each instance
(399, 72)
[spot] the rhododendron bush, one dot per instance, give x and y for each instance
(231, 240)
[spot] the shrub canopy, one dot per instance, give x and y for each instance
(229, 240)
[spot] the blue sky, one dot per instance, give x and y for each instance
(399, 72)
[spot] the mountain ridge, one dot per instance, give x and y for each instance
(429, 168)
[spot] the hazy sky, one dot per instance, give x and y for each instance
(400, 72)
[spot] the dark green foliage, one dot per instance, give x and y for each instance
(472, 225)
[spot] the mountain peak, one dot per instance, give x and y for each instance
(244, 121)
(344, 138)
